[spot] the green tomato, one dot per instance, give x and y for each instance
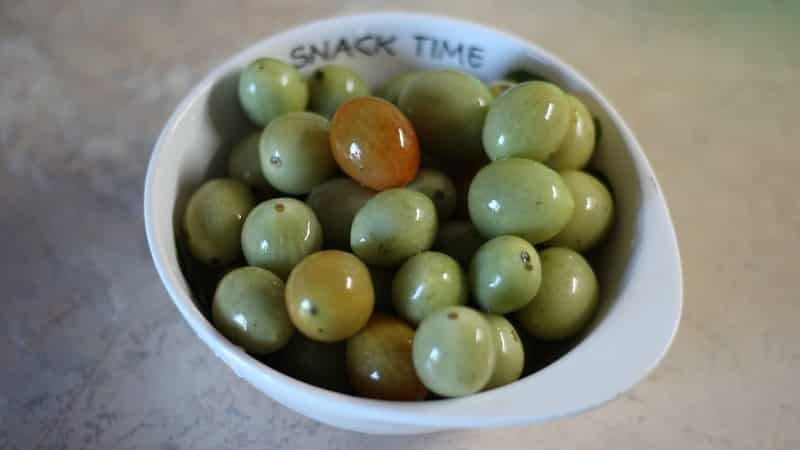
(439, 188)
(505, 274)
(567, 298)
(593, 216)
(426, 283)
(454, 351)
(279, 233)
(447, 109)
(392, 90)
(269, 88)
(213, 220)
(244, 164)
(509, 353)
(249, 309)
(577, 147)
(295, 152)
(519, 197)
(393, 226)
(459, 239)
(321, 364)
(499, 87)
(529, 121)
(336, 202)
(332, 85)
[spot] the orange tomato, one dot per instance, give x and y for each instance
(374, 143)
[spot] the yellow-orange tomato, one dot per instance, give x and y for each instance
(379, 362)
(374, 143)
(329, 295)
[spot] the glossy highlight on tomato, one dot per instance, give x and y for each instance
(374, 143)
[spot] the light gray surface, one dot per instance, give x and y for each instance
(94, 355)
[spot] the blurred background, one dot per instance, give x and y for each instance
(94, 355)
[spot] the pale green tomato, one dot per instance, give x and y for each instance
(393, 226)
(295, 152)
(567, 298)
(447, 108)
(331, 85)
(509, 353)
(505, 274)
(593, 216)
(214, 218)
(519, 197)
(529, 121)
(577, 147)
(454, 351)
(279, 233)
(269, 88)
(428, 282)
(250, 310)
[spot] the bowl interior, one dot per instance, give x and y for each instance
(638, 268)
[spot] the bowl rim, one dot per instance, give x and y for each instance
(470, 411)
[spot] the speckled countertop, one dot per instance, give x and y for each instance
(94, 355)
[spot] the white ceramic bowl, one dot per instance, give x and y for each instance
(639, 271)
